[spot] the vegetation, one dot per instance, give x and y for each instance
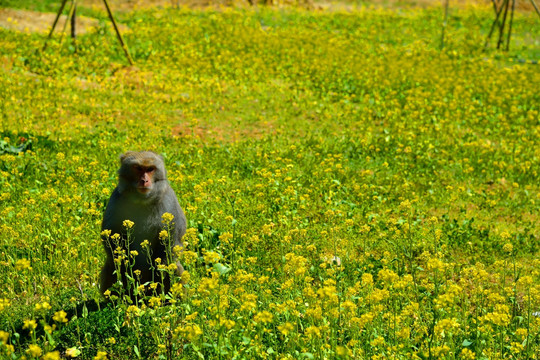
(352, 190)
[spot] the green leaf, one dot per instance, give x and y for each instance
(221, 269)
(467, 343)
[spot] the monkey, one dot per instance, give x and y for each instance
(142, 196)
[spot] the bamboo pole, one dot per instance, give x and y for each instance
(70, 15)
(54, 23)
(494, 2)
(535, 7)
(496, 22)
(510, 25)
(445, 22)
(74, 22)
(124, 46)
(501, 29)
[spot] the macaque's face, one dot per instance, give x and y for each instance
(144, 175)
(140, 171)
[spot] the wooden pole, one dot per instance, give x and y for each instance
(70, 15)
(501, 29)
(496, 22)
(54, 23)
(74, 22)
(510, 25)
(445, 21)
(495, 8)
(74, 25)
(535, 7)
(118, 35)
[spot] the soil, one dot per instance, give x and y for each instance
(31, 21)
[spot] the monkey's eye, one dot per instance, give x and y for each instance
(151, 169)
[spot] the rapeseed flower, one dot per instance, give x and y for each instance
(60, 316)
(34, 350)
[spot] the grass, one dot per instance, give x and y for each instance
(292, 138)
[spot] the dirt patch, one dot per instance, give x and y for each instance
(33, 21)
(130, 5)
(225, 132)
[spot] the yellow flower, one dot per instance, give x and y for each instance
(377, 341)
(42, 306)
(286, 328)
(60, 316)
(188, 331)
(526, 281)
(343, 351)
(133, 310)
(313, 331)
(49, 328)
(500, 316)
(441, 351)
(264, 317)
(185, 277)
(349, 306)
(163, 235)
(188, 257)
(177, 250)
(177, 290)
(172, 267)
(435, 264)
(4, 303)
(211, 257)
(446, 327)
(388, 276)
(128, 224)
(4, 336)
(404, 333)
(29, 324)
(154, 302)
(508, 248)
(33, 350)
(54, 355)
(22, 264)
(166, 218)
(101, 355)
(367, 279)
(227, 323)
(73, 352)
(249, 302)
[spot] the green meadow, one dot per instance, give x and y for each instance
(352, 189)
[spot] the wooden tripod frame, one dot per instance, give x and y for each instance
(503, 10)
(71, 16)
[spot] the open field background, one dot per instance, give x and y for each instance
(292, 137)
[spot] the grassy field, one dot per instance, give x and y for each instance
(352, 190)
